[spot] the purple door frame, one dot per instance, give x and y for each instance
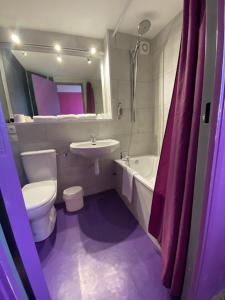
(17, 215)
(209, 272)
(11, 287)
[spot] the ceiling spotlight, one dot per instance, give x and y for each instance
(15, 39)
(89, 61)
(93, 51)
(59, 59)
(57, 47)
(24, 53)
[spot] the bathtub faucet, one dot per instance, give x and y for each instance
(125, 157)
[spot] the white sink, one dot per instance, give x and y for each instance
(94, 150)
(97, 149)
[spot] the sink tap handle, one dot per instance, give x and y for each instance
(93, 139)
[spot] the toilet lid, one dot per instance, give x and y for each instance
(38, 193)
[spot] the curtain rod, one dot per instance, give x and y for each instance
(121, 17)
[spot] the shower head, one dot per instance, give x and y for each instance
(144, 27)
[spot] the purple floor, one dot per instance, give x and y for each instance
(101, 253)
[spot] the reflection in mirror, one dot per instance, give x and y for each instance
(65, 84)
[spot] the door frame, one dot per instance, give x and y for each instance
(17, 216)
(207, 144)
(11, 286)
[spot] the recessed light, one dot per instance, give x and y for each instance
(15, 39)
(57, 47)
(93, 51)
(89, 61)
(59, 59)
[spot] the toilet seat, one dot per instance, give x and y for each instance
(37, 194)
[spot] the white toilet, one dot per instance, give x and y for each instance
(40, 194)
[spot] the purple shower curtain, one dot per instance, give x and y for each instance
(173, 195)
(90, 98)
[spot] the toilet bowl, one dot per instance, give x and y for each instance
(39, 198)
(40, 193)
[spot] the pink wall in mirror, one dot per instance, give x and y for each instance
(70, 99)
(53, 99)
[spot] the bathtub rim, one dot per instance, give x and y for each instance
(137, 176)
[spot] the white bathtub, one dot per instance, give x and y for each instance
(146, 167)
(144, 182)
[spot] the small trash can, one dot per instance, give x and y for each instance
(73, 198)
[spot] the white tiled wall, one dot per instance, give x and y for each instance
(165, 51)
(72, 170)
(143, 141)
(151, 103)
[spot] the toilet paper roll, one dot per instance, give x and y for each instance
(18, 118)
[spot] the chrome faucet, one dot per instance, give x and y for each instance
(124, 155)
(93, 140)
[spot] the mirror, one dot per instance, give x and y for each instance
(54, 85)
(40, 78)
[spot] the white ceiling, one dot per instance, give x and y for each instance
(86, 17)
(71, 68)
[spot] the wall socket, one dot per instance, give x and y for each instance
(11, 129)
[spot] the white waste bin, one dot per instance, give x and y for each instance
(73, 198)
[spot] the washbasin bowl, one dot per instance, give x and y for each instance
(97, 149)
